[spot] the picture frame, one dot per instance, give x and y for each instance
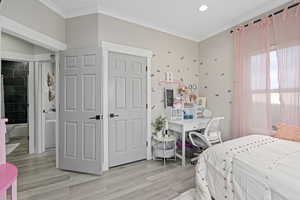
(169, 97)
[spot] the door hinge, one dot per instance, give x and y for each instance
(146, 68)
(146, 106)
(147, 144)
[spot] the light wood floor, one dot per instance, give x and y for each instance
(40, 180)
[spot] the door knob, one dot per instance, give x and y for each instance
(113, 115)
(97, 117)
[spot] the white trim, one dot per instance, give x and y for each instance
(57, 62)
(42, 99)
(148, 25)
(38, 107)
(126, 49)
(245, 18)
(81, 12)
(54, 7)
(15, 56)
(31, 115)
(35, 140)
(31, 91)
(106, 48)
(16, 29)
(42, 57)
(91, 10)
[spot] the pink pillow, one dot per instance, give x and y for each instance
(288, 132)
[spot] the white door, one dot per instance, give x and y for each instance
(127, 108)
(48, 102)
(80, 111)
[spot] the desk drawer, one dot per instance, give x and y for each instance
(192, 127)
(195, 126)
(175, 127)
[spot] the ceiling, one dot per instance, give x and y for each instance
(177, 17)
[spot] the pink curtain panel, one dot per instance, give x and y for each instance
(259, 77)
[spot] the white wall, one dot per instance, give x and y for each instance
(13, 44)
(82, 32)
(16, 45)
(35, 15)
(171, 53)
(216, 56)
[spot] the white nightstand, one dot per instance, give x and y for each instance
(164, 147)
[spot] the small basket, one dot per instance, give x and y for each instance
(160, 152)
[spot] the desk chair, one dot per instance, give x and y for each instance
(211, 136)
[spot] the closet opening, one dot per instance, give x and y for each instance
(15, 104)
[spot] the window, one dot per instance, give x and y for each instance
(259, 82)
(265, 85)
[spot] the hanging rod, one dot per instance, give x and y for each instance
(271, 15)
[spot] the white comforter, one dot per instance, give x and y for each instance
(250, 168)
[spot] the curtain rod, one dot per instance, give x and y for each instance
(276, 13)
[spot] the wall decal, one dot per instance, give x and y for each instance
(216, 59)
(201, 63)
(230, 102)
(217, 95)
(206, 74)
(169, 76)
(222, 74)
(205, 87)
(229, 91)
(183, 67)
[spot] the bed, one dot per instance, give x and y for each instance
(250, 168)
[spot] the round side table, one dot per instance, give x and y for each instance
(164, 147)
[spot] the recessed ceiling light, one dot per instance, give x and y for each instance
(203, 8)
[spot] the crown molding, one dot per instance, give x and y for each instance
(54, 7)
(147, 25)
(93, 10)
(16, 29)
(81, 12)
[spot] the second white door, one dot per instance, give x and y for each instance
(127, 108)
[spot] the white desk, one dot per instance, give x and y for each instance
(184, 126)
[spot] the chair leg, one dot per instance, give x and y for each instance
(3, 196)
(14, 192)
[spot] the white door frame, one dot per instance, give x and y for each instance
(57, 57)
(111, 47)
(36, 141)
(12, 56)
(16, 29)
